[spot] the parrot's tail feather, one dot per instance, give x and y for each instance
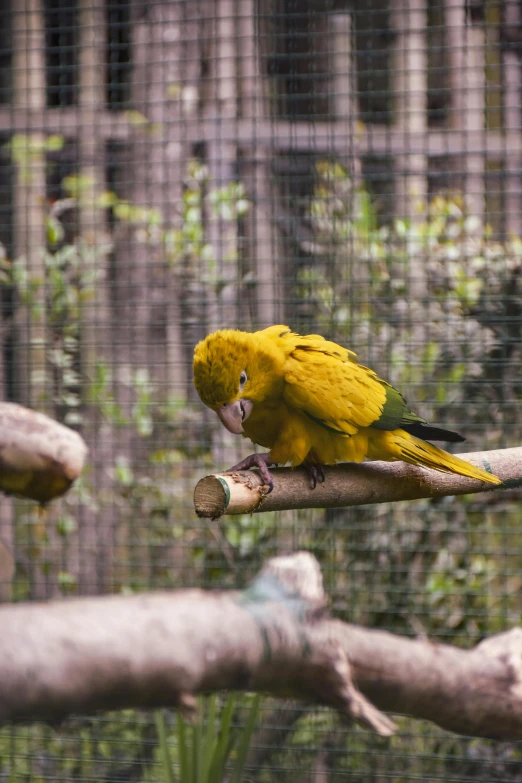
(418, 452)
(427, 432)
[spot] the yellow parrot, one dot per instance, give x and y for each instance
(310, 402)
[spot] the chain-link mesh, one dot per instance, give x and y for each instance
(176, 166)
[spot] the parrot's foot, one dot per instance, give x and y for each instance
(259, 461)
(316, 474)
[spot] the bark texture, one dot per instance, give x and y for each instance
(39, 458)
(161, 649)
(349, 485)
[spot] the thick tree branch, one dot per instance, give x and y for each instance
(349, 485)
(160, 649)
(39, 458)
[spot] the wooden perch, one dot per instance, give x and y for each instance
(161, 649)
(39, 458)
(349, 484)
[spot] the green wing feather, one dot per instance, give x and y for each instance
(395, 412)
(396, 415)
(326, 383)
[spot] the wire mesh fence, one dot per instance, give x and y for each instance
(176, 166)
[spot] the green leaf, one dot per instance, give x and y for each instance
(193, 215)
(66, 582)
(185, 756)
(244, 740)
(144, 425)
(123, 472)
(242, 207)
(208, 739)
(159, 718)
(54, 143)
(66, 525)
(224, 742)
(136, 118)
(196, 752)
(174, 90)
(75, 185)
(55, 232)
(107, 199)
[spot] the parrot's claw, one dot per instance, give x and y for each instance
(316, 474)
(259, 461)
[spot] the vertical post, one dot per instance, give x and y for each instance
(340, 29)
(29, 95)
(222, 163)
(409, 20)
(165, 90)
(252, 87)
(465, 42)
(7, 519)
(96, 531)
(156, 318)
(181, 57)
(512, 124)
(344, 97)
(225, 56)
(91, 144)
(223, 307)
(410, 86)
(166, 86)
(263, 244)
(265, 248)
(29, 98)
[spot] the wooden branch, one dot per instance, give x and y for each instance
(39, 458)
(160, 649)
(459, 690)
(349, 485)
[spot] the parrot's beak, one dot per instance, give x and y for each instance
(233, 415)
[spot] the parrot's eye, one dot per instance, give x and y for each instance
(242, 379)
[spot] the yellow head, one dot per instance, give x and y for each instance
(233, 371)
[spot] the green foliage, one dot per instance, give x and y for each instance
(212, 748)
(110, 749)
(100, 392)
(141, 410)
(187, 246)
(28, 150)
(72, 272)
(247, 532)
(230, 201)
(431, 301)
(129, 745)
(151, 485)
(436, 326)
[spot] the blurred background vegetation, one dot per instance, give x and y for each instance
(171, 168)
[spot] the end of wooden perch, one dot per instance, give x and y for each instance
(39, 458)
(349, 484)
